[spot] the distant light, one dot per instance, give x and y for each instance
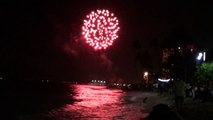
(178, 48)
(163, 80)
(145, 73)
(124, 84)
(204, 56)
(114, 83)
(199, 56)
(104, 81)
(1, 78)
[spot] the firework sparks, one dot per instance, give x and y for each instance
(100, 29)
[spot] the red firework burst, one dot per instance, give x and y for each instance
(100, 29)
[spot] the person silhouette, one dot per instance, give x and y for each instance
(162, 112)
(179, 91)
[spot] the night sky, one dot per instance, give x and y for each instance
(43, 39)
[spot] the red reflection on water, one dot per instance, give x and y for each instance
(96, 96)
(98, 102)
